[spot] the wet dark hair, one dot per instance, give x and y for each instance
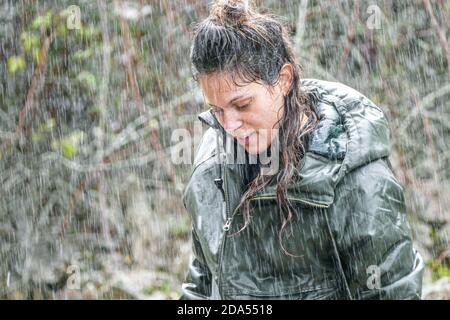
(253, 47)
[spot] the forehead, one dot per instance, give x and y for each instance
(220, 86)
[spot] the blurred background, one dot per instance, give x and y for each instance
(91, 91)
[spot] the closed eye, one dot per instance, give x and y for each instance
(218, 110)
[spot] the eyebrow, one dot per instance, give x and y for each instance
(234, 99)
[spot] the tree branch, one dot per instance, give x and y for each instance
(350, 39)
(440, 32)
(301, 26)
(36, 83)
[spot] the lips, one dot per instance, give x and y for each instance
(245, 139)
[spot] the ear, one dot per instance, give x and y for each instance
(285, 78)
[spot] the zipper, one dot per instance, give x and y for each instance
(222, 184)
(219, 184)
(226, 226)
(229, 219)
(309, 203)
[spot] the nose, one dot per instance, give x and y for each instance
(231, 120)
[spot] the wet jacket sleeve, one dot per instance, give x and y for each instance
(197, 283)
(373, 236)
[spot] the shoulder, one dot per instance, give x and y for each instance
(344, 93)
(373, 180)
(369, 198)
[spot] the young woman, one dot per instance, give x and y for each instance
(330, 222)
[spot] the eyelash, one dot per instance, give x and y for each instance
(220, 110)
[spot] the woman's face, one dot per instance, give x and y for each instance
(249, 112)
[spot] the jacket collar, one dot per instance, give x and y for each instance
(208, 118)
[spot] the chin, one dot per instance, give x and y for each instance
(254, 150)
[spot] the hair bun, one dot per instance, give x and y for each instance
(231, 12)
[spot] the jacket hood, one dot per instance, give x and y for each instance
(352, 131)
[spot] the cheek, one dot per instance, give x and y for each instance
(271, 119)
(264, 115)
(262, 121)
(252, 119)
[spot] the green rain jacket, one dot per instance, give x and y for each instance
(350, 234)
